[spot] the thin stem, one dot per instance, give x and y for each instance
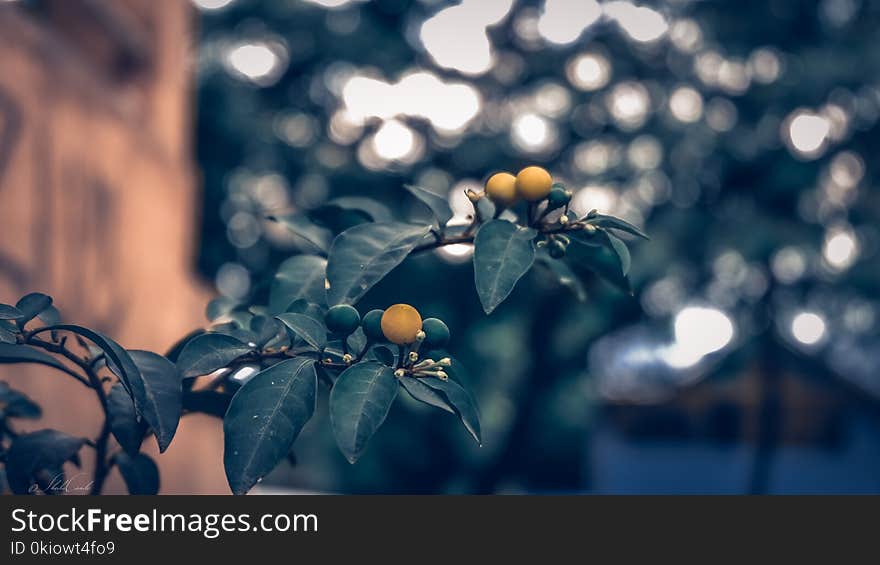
(469, 238)
(363, 352)
(102, 466)
(93, 379)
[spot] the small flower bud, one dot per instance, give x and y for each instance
(442, 375)
(590, 228)
(445, 362)
(399, 373)
(347, 358)
(413, 356)
(563, 219)
(473, 195)
(420, 336)
(542, 243)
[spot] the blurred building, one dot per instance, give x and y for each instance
(97, 192)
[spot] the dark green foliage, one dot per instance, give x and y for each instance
(264, 419)
(359, 402)
(139, 472)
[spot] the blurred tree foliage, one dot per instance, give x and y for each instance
(741, 136)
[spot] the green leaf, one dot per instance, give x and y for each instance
(264, 419)
(619, 248)
(603, 261)
(265, 328)
(377, 211)
(610, 222)
(163, 395)
(14, 404)
(8, 312)
(361, 256)
(50, 316)
(306, 327)
(139, 472)
(565, 276)
(219, 307)
(27, 354)
(7, 335)
(359, 402)
(382, 354)
(438, 205)
(123, 419)
(461, 401)
(30, 305)
(423, 393)
(206, 353)
(303, 228)
(174, 352)
(340, 214)
(503, 253)
(38, 451)
(118, 360)
(302, 276)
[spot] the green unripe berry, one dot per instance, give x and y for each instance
(372, 325)
(558, 198)
(342, 319)
(436, 333)
(557, 249)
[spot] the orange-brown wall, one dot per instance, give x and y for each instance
(98, 200)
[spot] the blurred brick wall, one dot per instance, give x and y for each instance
(98, 201)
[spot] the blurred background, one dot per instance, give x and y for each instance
(143, 143)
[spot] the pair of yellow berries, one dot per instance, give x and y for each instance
(531, 184)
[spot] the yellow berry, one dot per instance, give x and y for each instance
(501, 188)
(401, 324)
(533, 183)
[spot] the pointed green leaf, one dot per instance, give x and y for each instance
(603, 261)
(8, 312)
(566, 277)
(117, 358)
(361, 256)
(503, 253)
(377, 211)
(340, 214)
(139, 472)
(264, 419)
(610, 222)
(620, 249)
(423, 393)
(122, 417)
(30, 305)
(206, 353)
(301, 276)
(219, 307)
(359, 402)
(50, 316)
(438, 205)
(306, 327)
(462, 401)
(162, 395)
(382, 354)
(8, 333)
(300, 226)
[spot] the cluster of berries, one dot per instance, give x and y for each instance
(532, 184)
(400, 324)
